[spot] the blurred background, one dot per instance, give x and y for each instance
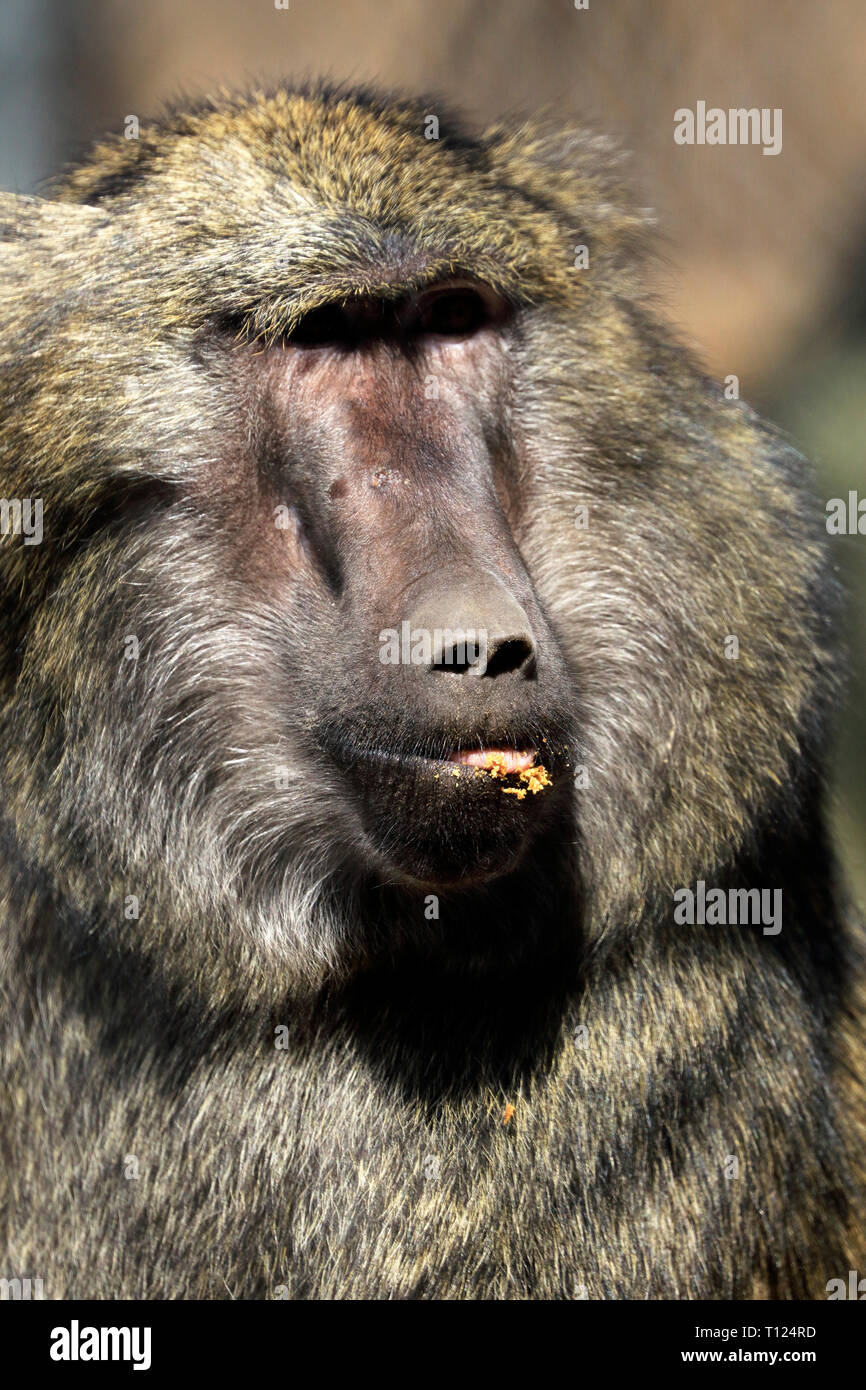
(764, 257)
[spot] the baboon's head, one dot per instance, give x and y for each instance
(383, 535)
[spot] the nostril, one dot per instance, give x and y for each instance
(486, 656)
(510, 654)
(474, 624)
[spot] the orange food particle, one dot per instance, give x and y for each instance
(496, 765)
(534, 778)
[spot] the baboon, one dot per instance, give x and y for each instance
(335, 973)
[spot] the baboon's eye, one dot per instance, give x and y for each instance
(452, 313)
(446, 311)
(332, 324)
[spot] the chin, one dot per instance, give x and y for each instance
(457, 821)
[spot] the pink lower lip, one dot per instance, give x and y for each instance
(515, 761)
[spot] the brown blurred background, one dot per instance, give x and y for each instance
(765, 257)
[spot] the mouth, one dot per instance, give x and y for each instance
(512, 771)
(520, 767)
(503, 759)
(455, 808)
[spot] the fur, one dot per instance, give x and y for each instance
(369, 1154)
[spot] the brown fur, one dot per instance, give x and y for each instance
(368, 1157)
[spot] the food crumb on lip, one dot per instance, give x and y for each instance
(502, 763)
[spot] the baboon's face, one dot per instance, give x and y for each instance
(374, 489)
(309, 398)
